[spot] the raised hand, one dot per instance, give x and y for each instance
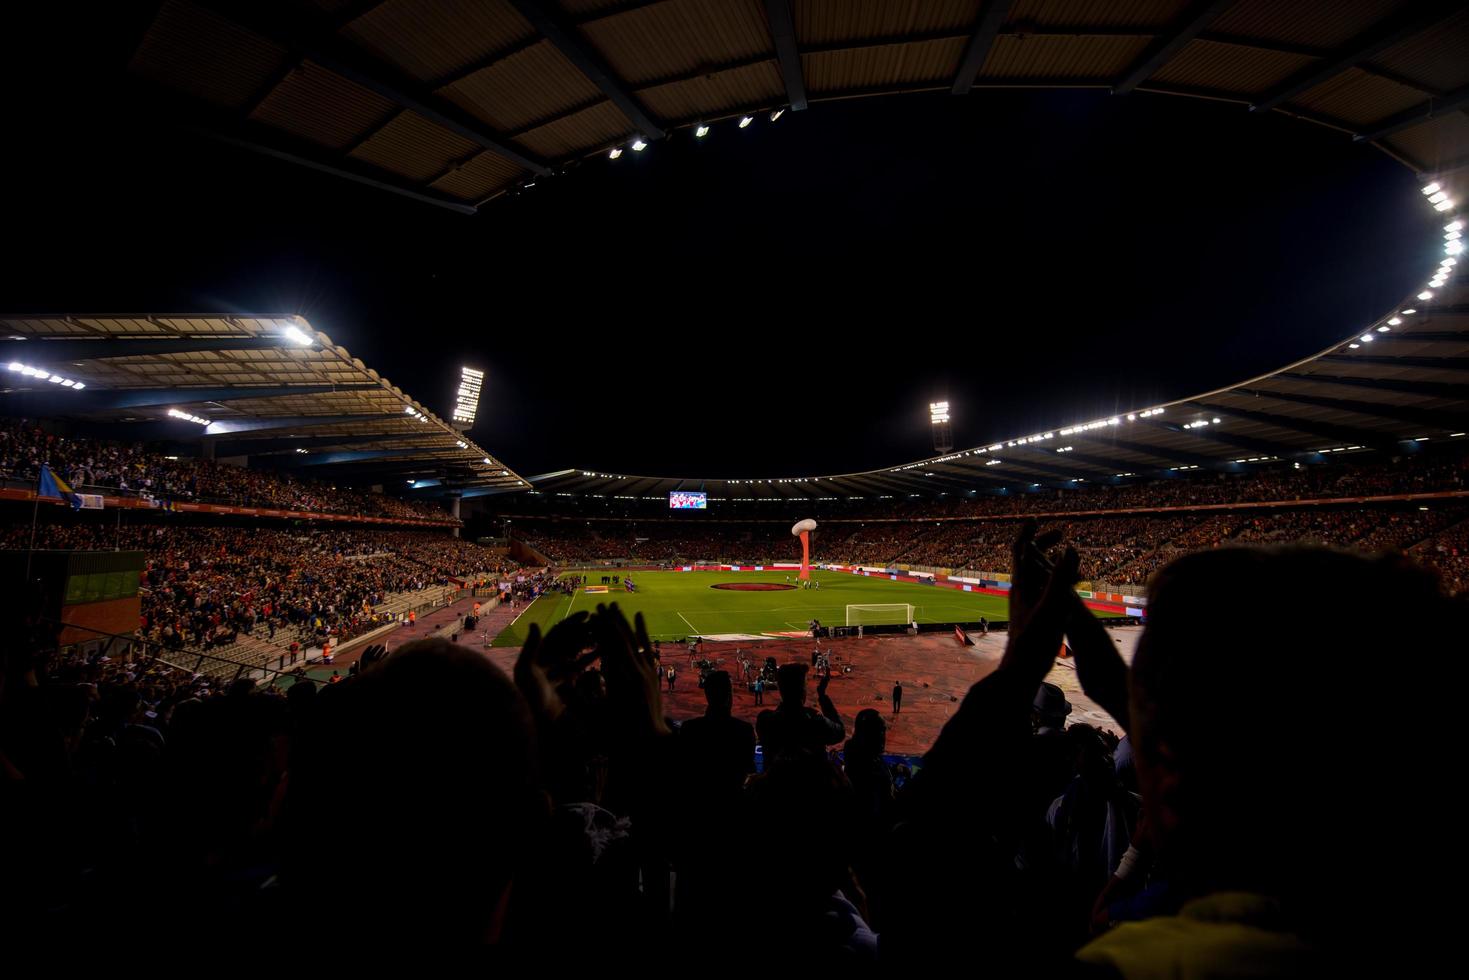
(632, 677)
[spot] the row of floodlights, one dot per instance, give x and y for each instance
(40, 375)
(701, 130)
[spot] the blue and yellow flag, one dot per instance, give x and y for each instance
(54, 486)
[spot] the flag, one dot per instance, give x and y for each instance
(54, 486)
(962, 637)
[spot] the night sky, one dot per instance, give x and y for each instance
(782, 300)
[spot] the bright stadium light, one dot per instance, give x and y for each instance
(777, 114)
(1384, 329)
(1431, 188)
(1393, 321)
(746, 120)
(1366, 338)
(187, 417)
(1425, 295)
(938, 412)
(1409, 312)
(701, 131)
(466, 400)
(1454, 226)
(615, 152)
(40, 375)
(1445, 205)
(639, 145)
(487, 461)
(297, 336)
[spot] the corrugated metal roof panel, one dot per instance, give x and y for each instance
(431, 39)
(1358, 97)
(1304, 21)
(1229, 68)
(1435, 142)
(1044, 57)
(1100, 13)
(480, 177)
(892, 65)
(1438, 58)
(833, 21)
(413, 146)
(323, 107)
(586, 130)
(527, 86)
(709, 95)
(206, 56)
(679, 36)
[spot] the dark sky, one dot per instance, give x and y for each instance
(781, 300)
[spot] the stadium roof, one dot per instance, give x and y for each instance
(1402, 381)
(456, 103)
(257, 386)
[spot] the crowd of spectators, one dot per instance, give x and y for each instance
(204, 586)
(94, 465)
(1114, 550)
(430, 798)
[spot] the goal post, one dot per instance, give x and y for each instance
(880, 614)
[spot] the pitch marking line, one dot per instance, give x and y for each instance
(692, 628)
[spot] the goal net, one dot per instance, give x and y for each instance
(880, 614)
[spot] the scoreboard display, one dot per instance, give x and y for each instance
(686, 500)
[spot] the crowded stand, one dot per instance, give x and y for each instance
(94, 465)
(510, 808)
(202, 587)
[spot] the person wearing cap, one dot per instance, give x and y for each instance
(792, 727)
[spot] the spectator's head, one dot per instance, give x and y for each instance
(798, 792)
(1050, 707)
(790, 680)
(869, 732)
(1248, 784)
(718, 692)
(431, 790)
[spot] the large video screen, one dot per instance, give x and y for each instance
(680, 500)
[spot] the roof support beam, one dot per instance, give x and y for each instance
(313, 442)
(1430, 389)
(100, 401)
(1323, 430)
(1413, 115)
(337, 168)
(1157, 452)
(403, 92)
(1393, 413)
(408, 454)
(568, 41)
(40, 347)
(783, 33)
(1193, 21)
(1460, 364)
(1392, 30)
(224, 427)
(1213, 434)
(980, 42)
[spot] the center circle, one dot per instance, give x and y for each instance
(752, 586)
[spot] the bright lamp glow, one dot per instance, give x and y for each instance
(701, 131)
(187, 417)
(1454, 226)
(466, 399)
(777, 114)
(938, 412)
(746, 120)
(614, 153)
(1445, 205)
(1425, 295)
(1431, 188)
(639, 145)
(297, 336)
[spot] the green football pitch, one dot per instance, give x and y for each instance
(680, 604)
